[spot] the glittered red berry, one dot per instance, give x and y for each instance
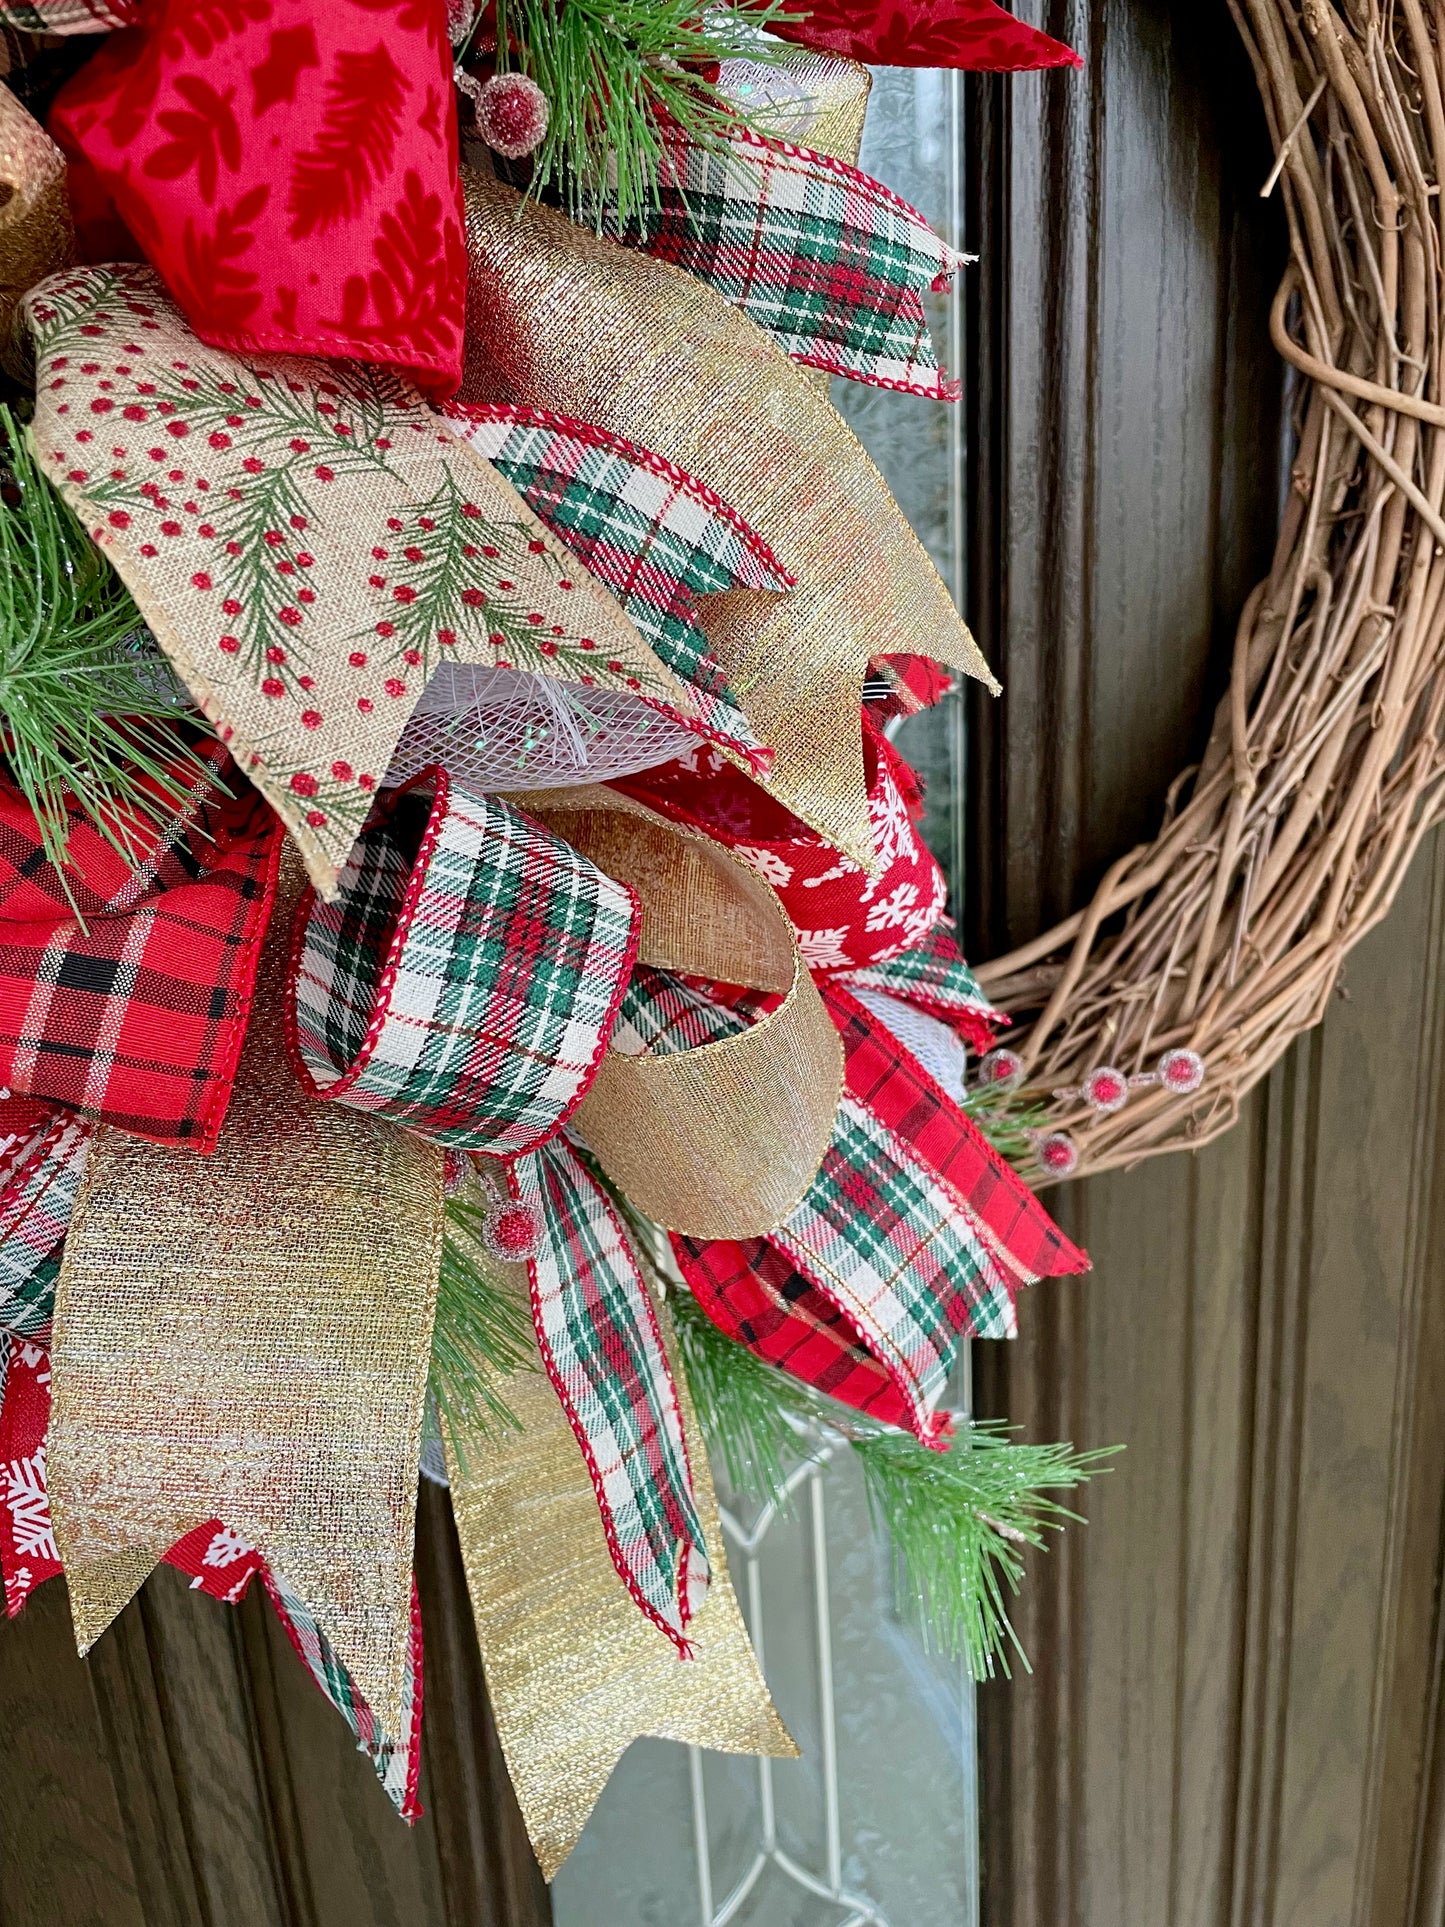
(1181, 1071)
(1058, 1154)
(512, 114)
(511, 1231)
(1106, 1089)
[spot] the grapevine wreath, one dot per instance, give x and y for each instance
(473, 992)
(1324, 768)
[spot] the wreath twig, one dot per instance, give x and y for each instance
(1325, 766)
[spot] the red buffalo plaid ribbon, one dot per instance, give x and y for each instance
(216, 1560)
(125, 986)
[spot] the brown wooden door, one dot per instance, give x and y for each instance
(1232, 1719)
(189, 1774)
(1233, 1714)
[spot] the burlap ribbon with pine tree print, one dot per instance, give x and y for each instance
(307, 541)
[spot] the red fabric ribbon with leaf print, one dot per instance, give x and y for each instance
(973, 34)
(289, 169)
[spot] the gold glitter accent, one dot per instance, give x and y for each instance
(246, 1337)
(723, 1140)
(558, 318)
(36, 236)
(574, 1670)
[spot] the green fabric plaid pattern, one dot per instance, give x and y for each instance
(896, 1253)
(37, 1196)
(469, 994)
(832, 263)
(397, 1762)
(892, 1247)
(934, 976)
(651, 534)
(603, 1350)
(66, 16)
(661, 1012)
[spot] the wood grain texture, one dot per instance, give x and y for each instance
(189, 1774)
(1234, 1717)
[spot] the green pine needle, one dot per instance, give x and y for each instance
(1009, 1122)
(751, 1414)
(483, 1331)
(610, 69)
(958, 1523)
(89, 711)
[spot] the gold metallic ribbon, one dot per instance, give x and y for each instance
(36, 236)
(723, 1140)
(558, 318)
(246, 1336)
(574, 1671)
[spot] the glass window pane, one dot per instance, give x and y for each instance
(876, 1824)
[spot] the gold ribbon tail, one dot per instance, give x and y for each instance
(246, 1337)
(574, 1671)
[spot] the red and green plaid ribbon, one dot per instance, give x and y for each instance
(890, 1083)
(67, 16)
(933, 976)
(38, 1188)
(603, 1351)
(397, 1761)
(876, 1235)
(653, 535)
(466, 978)
(832, 263)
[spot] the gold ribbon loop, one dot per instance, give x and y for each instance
(36, 236)
(246, 1337)
(723, 1140)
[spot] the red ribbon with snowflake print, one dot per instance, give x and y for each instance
(290, 170)
(845, 918)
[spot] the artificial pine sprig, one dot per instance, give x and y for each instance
(483, 1331)
(611, 71)
(957, 1521)
(1009, 1121)
(88, 709)
(751, 1414)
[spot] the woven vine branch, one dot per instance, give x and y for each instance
(1326, 762)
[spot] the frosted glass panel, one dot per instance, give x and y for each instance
(875, 1826)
